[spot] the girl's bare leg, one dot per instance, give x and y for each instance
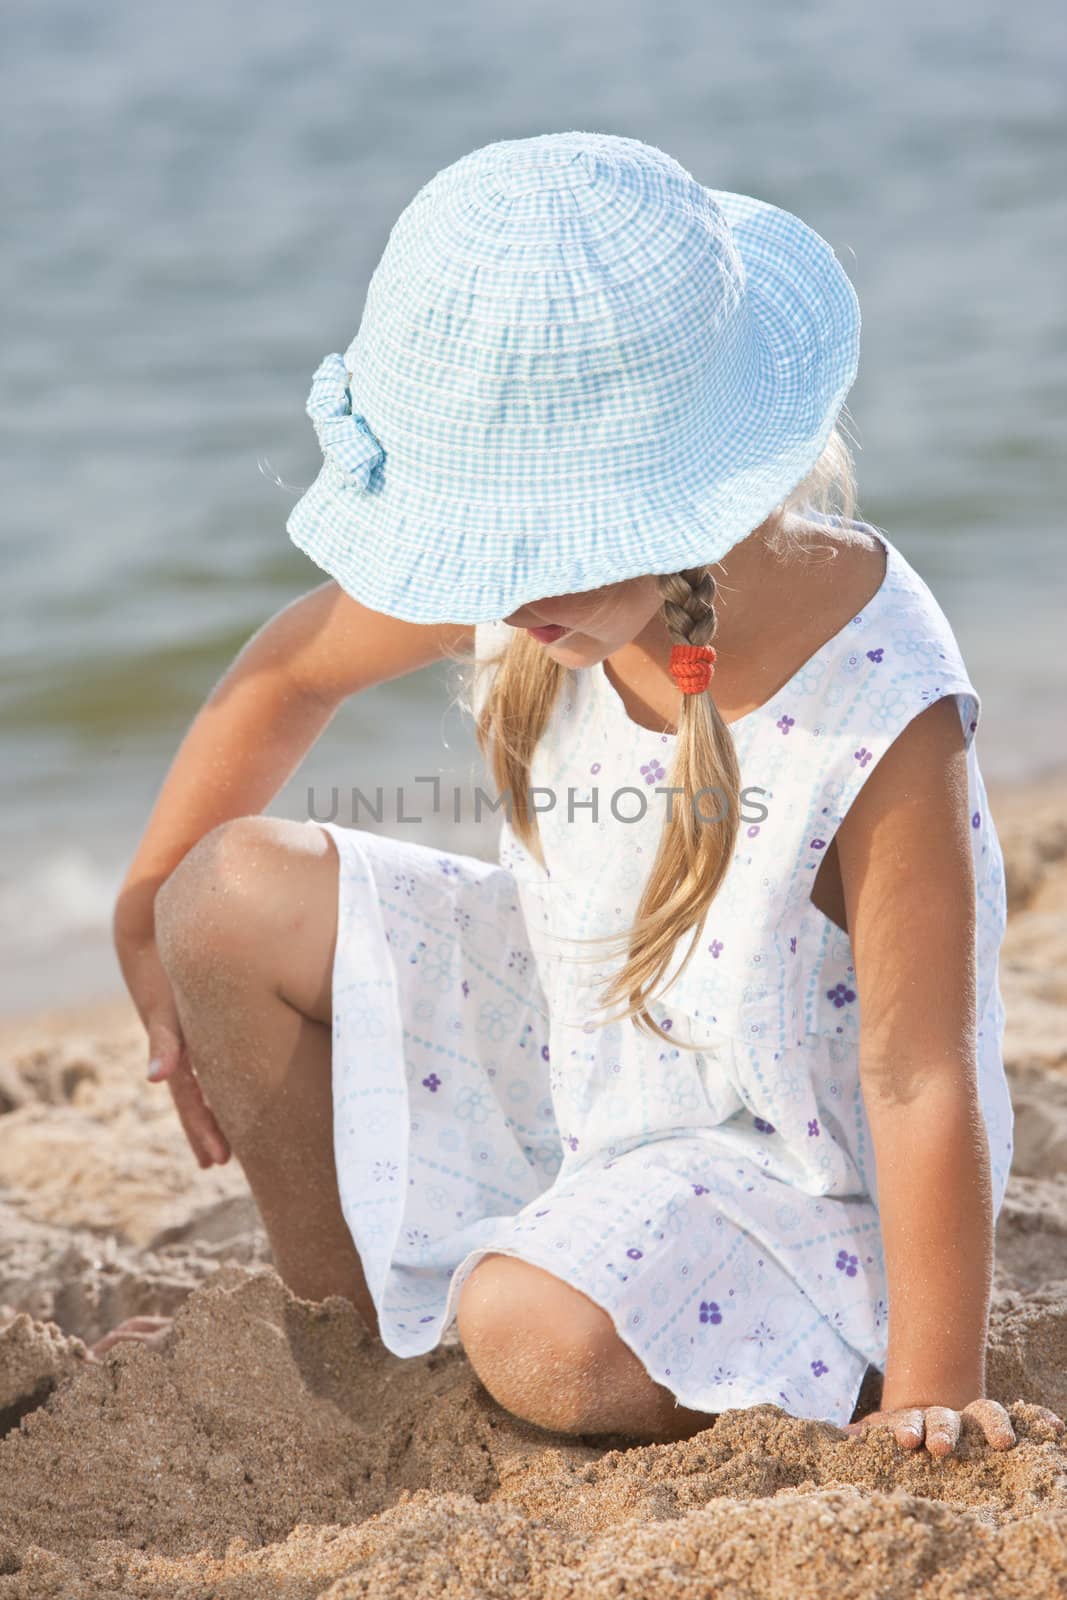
(246, 927)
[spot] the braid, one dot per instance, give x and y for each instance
(693, 855)
(689, 605)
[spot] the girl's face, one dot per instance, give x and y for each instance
(596, 622)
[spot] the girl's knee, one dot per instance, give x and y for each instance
(222, 899)
(540, 1348)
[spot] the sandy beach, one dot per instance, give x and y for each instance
(270, 1449)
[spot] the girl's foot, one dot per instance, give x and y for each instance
(151, 1331)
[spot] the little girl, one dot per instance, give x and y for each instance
(695, 1099)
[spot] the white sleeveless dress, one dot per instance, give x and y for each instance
(719, 1204)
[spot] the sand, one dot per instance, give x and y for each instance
(270, 1448)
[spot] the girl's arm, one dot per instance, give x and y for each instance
(250, 735)
(908, 881)
(262, 717)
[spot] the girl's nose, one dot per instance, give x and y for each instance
(517, 620)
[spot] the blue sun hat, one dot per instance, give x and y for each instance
(575, 365)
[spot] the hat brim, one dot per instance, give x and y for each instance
(422, 558)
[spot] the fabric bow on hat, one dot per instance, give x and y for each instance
(343, 434)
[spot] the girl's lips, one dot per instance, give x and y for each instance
(548, 635)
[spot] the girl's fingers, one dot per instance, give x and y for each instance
(995, 1422)
(169, 1063)
(942, 1430)
(941, 1426)
(203, 1132)
(168, 1060)
(185, 1093)
(908, 1427)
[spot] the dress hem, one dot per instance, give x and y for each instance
(741, 1400)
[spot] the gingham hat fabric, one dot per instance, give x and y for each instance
(575, 365)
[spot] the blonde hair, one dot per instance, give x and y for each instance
(694, 854)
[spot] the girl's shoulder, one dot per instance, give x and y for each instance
(921, 649)
(904, 592)
(900, 652)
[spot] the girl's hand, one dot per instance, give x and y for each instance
(940, 1426)
(153, 996)
(169, 1061)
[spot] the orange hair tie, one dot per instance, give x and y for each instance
(692, 666)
